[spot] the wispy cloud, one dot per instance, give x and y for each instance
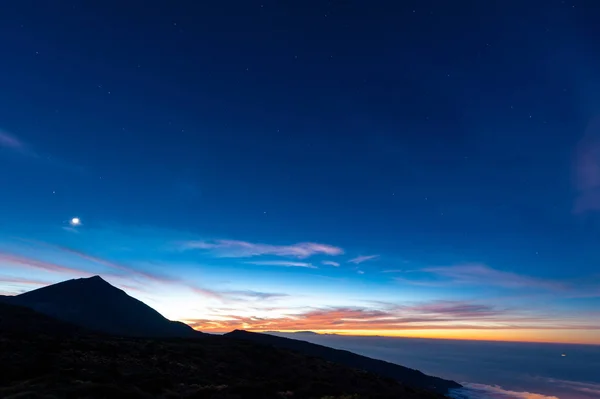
(283, 263)
(22, 280)
(330, 263)
(476, 273)
(456, 309)
(587, 170)
(235, 295)
(480, 275)
(423, 283)
(86, 265)
(115, 266)
(18, 146)
(585, 387)
(11, 142)
(257, 294)
(244, 249)
(361, 259)
(6, 140)
(7, 259)
(439, 315)
(481, 391)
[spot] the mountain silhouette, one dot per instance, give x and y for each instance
(78, 309)
(44, 357)
(399, 373)
(96, 305)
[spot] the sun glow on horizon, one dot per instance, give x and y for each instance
(578, 337)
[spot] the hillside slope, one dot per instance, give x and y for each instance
(399, 373)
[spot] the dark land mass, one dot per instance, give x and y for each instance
(399, 373)
(52, 345)
(95, 304)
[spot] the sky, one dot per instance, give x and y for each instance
(417, 168)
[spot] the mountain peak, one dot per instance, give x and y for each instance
(97, 305)
(94, 285)
(94, 279)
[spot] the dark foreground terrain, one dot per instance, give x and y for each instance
(41, 357)
(405, 375)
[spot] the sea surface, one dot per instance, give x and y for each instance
(488, 370)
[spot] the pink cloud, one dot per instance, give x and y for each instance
(142, 273)
(426, 316)
(283, 264)
(453, 308)
(481, 274)
(496, 392)
(22, 280)
(361, 259)
(6, 140)
(9, 141)
(586, 387)
(120, 271)
(243, 249)
(116, 266)
(11, 259)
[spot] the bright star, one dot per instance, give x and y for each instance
(75, 222)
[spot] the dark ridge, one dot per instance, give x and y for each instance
(44, 357)
(69, 315)
(399, 373)
(95, 304)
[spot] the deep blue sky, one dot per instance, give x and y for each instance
(430, 133)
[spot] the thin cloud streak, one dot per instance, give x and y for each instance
(21, 148)
(481, 391)
(11, 142)
(122, 271)
(116, 266)
(330, 263)
(587, 170)
(10, 259)
(441, 315)
(586, 387)
(244, 249)
(481, 274)
(6, 140)
(21, 280)
(282, 264)
(257, 294)
(360, 259)
(475, 274)
(159, 278)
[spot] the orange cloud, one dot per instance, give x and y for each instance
(437, 319)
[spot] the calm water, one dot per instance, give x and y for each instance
(489, 370)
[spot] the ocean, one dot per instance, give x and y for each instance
(488, 370)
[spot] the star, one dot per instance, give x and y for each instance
(75, 222)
